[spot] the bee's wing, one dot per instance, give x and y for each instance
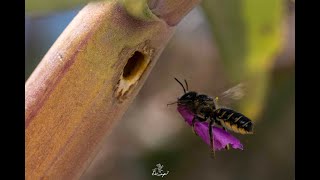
(233, 94)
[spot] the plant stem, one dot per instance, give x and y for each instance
(84, 84)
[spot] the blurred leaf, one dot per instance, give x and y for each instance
(137, 8)
(248, 34)
(40, 7)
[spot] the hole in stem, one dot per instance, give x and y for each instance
(137, 63)
(135, 66)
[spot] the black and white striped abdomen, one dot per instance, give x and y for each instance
(234, 121)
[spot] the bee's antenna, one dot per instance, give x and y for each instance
(187, 87)
(184, 90)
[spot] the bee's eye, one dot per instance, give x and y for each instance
(188, 96)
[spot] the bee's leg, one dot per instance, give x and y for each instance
(219, 123)
(224, 129)
(212, 138)
(193, 121)
(227, 147)
(195, 118)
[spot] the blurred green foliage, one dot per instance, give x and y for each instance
(137, 8)
(43, 7)
(248, 34)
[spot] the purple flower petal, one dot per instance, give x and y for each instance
(221, 137)
(186, 114)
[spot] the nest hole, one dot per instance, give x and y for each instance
(135, 66)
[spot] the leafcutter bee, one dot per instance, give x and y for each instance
(206, 108)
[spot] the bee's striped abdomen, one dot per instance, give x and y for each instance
(234, 121)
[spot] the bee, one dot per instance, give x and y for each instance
(206, 108)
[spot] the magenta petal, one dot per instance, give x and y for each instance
(221, 137)
(224, 138)
(186, 114)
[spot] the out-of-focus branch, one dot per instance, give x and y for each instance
(172, 11)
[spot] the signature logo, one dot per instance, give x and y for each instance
(158, 171)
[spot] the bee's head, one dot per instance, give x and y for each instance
(187, 97)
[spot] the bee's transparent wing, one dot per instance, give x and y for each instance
(236, 92)
(232, 95)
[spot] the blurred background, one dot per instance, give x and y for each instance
(213, 48)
